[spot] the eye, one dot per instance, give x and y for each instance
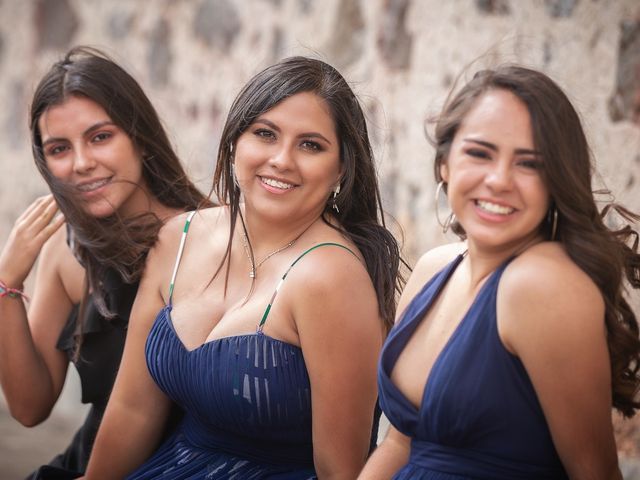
(478, 153)
(311, 145)
(101, 137)
(530, 163)
(55, 150)
(264, 133)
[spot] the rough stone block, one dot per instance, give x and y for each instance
(394, 42)
(56, 23)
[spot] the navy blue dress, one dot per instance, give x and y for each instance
(247, 403)
(480, 417)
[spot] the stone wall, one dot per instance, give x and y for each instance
(402, 56)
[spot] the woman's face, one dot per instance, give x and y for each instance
(84, 148)
(288, 161)
(494, 174)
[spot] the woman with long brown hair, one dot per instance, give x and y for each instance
(263, 318)
(514, 344)
(100, 146)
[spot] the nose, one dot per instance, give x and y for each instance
(282, 157)
(499, 178)
(83, 161)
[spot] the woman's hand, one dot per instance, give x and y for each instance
(30, 232)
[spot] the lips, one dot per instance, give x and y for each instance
(494, 208)
(272, 182)
(92, 185)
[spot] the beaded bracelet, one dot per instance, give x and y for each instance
(11, 292)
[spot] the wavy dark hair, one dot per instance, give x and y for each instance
(608, 255)
(112, 243)
(361, 217)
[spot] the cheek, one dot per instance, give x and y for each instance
(129, 164)
(61, 170)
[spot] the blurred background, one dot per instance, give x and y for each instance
(401, 56)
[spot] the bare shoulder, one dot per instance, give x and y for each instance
(330, 293)
(543, 290)
(435, 260)
(58, 262)
(547, 271)
(326, 265)
(195, 222)
(426, 267)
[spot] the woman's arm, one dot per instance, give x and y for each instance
(551, 315)
(32, 370)
(340, 331)
(390, 456)
(135, 417)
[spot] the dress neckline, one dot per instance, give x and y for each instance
(166, 313)
(409, 325)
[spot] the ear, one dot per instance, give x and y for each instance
(444, 172)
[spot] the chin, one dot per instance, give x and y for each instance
(100, 210)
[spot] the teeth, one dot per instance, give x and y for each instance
(275, 183)
(494, 208)
(87, 187)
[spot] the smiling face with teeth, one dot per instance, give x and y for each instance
(288, 161)
(84, 148)
(494, 175)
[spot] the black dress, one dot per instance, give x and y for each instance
(97, 366)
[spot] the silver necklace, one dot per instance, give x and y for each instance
(255, 266)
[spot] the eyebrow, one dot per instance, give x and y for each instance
(92, 128)
(270, 124)
(491, 146)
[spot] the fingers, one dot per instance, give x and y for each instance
(49, 210)
(36, 208)
(55, 224)
(37, 222)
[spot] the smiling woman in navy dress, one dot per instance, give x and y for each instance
(270, 338)
(514, 344)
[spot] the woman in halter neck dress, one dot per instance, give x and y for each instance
(269, 340)
(514, 344)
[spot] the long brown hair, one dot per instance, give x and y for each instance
(608, 256)
(361, 216)
(112, 243)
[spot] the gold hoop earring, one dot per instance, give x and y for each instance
(451, 218)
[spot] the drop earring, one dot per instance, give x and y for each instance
(335, 194)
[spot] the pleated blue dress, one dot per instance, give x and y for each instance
(247, 403)
(480, 417)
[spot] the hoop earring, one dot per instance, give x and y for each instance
(335, 194)
(552, 218)
(451, 218)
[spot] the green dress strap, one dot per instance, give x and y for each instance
(268, 309)
(183, 240)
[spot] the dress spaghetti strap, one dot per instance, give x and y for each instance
(273, 297)
(183, 240)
